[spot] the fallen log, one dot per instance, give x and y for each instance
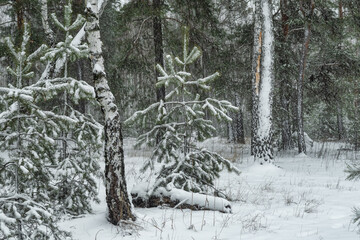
(177, 198)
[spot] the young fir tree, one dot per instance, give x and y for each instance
(81, 141)
(354, 174)
(26, 135)
(180, 123)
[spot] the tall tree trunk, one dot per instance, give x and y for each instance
(262, 82)
(19, 9)
(339, 112)
(339, 120)
(45, 22)
(300, 82)
(340, 9)
(158, 45)
(49, 70)
(285, 96)
(256, 60)
(239, 122)
(117, 198)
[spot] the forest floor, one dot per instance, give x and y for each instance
(305, 197)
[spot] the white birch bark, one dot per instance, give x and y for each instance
(117, 197)
(262, 95)
(79, 37)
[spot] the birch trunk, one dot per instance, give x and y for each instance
(117, 198)
(262, 82)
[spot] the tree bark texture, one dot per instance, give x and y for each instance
(256, 59)
(308, 12)
(50, 66)
(239, 122)
(262, 83)
(158, 45)
(285, 81)
(19, 9)
(117, 198)
(340, 122)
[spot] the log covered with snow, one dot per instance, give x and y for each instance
(177, 198)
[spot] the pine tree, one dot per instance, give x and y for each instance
(180, 123)
(81, 141)
(26, 130)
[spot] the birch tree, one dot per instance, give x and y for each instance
(117, 198)
(262, 82)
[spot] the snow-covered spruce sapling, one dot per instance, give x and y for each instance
(179, 124)
(25, 130)
(81, 141)
(354, 174)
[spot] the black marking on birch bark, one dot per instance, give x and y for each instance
(117, 198)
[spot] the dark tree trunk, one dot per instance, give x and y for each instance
(239, 123)
(117, 198)
(256, 60)
(285, 96)
(308, 12)
(339, 114)
(158, 45)
(300, 83)
(49, 70)
(340, 122)
(340, 9)
(19, 9)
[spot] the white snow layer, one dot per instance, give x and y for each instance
(306, 198)
(184, 197)
(266, 74)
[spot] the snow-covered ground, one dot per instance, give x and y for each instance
(303, 198)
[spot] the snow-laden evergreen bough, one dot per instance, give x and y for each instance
(37, 182)
(354, 174)
(25, 209)
(81, 142)
(179, 124)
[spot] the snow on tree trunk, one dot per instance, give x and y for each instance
(116, 191)
(45, 22)
(262, 83)
(48, 72)
(256, 73)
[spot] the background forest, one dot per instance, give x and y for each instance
(223, 30)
